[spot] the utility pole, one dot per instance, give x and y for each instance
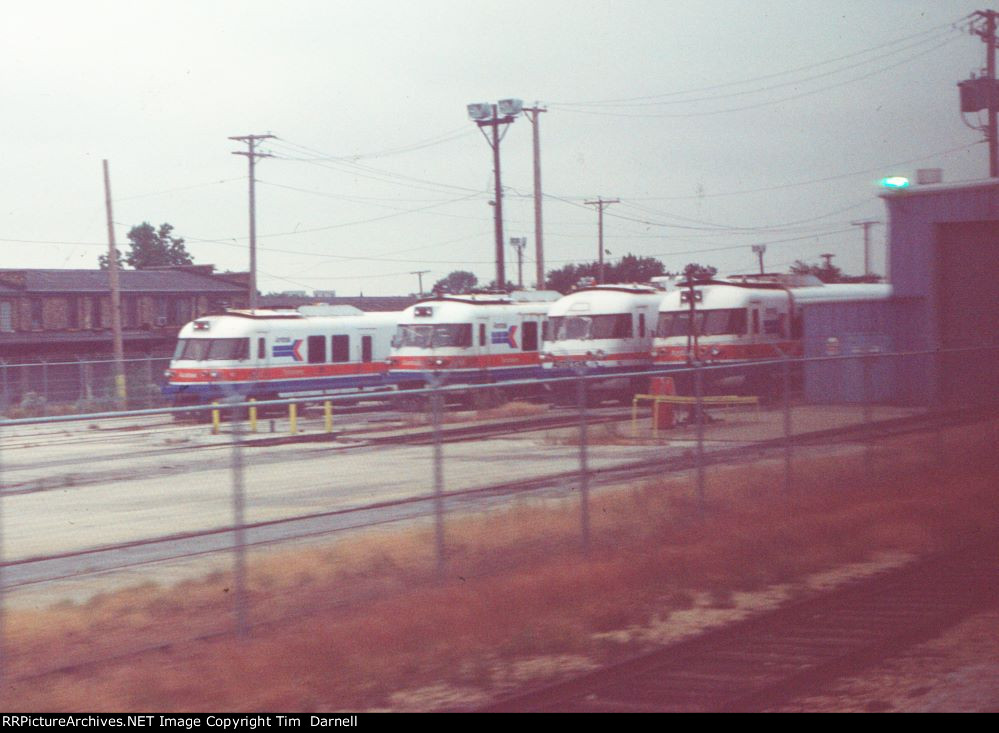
(419, 274)
(867, 242)
(828, 258)
(601, 204)
(983, 92)
(252, 155)
(539, 250)
(758, 250)
(121, 392)
(487, 115)
(518, 243)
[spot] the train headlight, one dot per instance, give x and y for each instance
(168, 373)
(213, 375)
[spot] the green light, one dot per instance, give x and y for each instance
(895, 182)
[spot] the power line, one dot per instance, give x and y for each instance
(764, 77)
(792, 82)
(764, 103)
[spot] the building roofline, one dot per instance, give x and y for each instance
(924, 189)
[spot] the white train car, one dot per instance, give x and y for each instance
(744, 320)
(605, 330)
(470, 339)
(265, 354)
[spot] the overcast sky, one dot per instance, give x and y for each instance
(718, 126)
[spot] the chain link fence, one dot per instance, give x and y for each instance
(105, 502)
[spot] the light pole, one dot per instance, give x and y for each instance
(485, 114)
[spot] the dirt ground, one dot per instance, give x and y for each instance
(956, 672)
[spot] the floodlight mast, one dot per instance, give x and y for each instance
(492, 115)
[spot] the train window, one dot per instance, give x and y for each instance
(438, 335)
(611, 326)
(341, 348)
(710, 322)
(482, 334)
(530, 336)
(217, 349)
(452, 334)
(261, 348)
(229, 349)
(365, 349)
(317, 349)
(756, 320)
(641, 325)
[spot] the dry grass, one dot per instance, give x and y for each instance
(364, 623)
(509, 410)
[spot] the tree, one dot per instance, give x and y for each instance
(829, 273)
(149, 247)
(458, 282)
(697, 273)
(630, 269)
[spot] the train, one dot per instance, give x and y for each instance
(604, 330)
(617, 333)
(743, 320)
(267, 354)
(470, 339)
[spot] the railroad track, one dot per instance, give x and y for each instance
(772, 658)
(794, 658)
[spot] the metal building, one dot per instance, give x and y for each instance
(943, 263)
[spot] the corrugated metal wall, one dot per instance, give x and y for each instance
(856, 336)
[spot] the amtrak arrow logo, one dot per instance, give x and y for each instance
(292, 350)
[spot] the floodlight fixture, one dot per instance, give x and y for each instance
(480, 111)
(510, 107)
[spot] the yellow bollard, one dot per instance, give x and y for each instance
(293, 418)
(328, 412)
(253, 415)
(216, 420)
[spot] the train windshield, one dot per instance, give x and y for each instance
(610, 326)
(212, 349)
(431, 336)
(710, 322)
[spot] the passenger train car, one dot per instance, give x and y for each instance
(608, 329)
(271, 354)
(470, 339)
(744, 320)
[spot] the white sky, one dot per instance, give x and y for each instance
(842, 90)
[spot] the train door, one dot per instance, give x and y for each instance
(755, 326)
(642, 325)
(480, 341)
(529, 336)
(261, 356)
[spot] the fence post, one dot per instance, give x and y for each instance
(787, 423)
(238, 505)
(868, 439)
(45, 387)
(3, 657)
(328, 415)
(435, 418)
(699, 417)
(584, 470)
(293, 418)
(6, 388)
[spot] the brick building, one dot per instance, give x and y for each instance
(47, 314)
